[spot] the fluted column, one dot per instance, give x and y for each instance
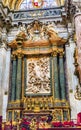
(19, 78)
(13, 83)
(61, 74)
(56, 81)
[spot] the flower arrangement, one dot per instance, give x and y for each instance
(68, 124)
(64, 124)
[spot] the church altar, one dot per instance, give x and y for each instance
(38, 73)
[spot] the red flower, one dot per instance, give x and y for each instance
(43, 118)
(56, 124)
(27, 123)
(68, 123)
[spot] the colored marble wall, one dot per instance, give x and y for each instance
(78, 40)
(72, 80)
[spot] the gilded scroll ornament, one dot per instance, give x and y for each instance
(37, 34)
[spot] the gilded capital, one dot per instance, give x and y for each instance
(61, 52)
(19, 55)
(13, 57)
(54, 53)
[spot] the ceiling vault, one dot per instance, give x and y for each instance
(12, 4)
(15, 4)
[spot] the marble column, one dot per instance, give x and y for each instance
(13, 86)
(2, 73)
(4, 79)
(19, 78)
(6, 83)
(62, 78)
(25, 74)
(56, 80)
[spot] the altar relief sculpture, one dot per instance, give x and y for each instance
(38, 75)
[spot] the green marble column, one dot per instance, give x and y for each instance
(62, 78)
(25, 74)
(13, 83)
(19, 78)
(56, 81)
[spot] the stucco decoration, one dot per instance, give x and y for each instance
(38, 34)
(38, 75)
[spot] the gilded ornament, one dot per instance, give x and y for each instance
(54, 53)
(13, 57)
(77, 94)
(61, 52)
(39, 37)
(33, 124)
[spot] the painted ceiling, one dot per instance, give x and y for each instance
(31, 4)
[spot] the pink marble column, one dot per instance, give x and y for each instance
(78, 36)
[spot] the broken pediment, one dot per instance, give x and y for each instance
(37, 34)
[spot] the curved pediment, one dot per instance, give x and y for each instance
(37, 34)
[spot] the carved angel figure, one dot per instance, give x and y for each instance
(54, 38)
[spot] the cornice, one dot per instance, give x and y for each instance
(37, 34)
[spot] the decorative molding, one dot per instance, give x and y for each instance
(36, 35)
